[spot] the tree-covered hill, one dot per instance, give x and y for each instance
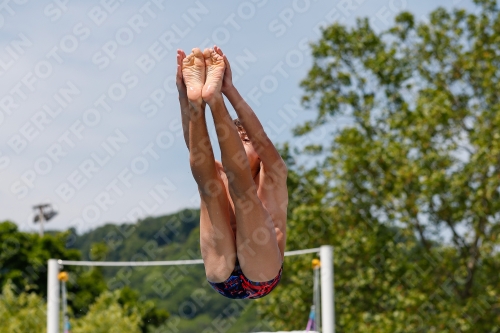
(144, 240)
(145, 298)
(181, 290)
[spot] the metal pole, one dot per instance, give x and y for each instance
(41, 217)
(317, 300)
(53, 297)
(65, 307)
(327, 291)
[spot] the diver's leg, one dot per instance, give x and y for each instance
(256, 242)
(217, 241)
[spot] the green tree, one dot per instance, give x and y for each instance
(23, 260)
(107, 315)
(409, 191)
(86, 283)
(24, 256)
(26, 312)
(21, 312)
(152, 316)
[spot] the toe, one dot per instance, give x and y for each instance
(197, 52)
(218, 50)
(206, 53)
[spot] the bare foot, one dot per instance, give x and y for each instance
(215, 66)
(179, 80)
(193, 73)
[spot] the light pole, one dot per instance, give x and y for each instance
(43, 212)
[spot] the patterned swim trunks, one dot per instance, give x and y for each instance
(237, 286)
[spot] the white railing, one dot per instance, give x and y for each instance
(327, 290)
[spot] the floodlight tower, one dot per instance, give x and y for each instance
(43, 212)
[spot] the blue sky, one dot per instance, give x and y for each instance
(89, 117)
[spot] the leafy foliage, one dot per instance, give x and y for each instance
(152, 316)
(125, 241)
(408, 193)
(107, 315)
(26, 312)
(181, 291)
(21, 311)
(23, 261)
(23, 257)
(158, 298)
(23, 267)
